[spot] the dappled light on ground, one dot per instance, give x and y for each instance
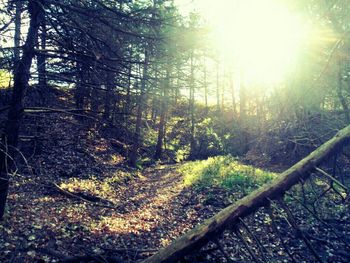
(140, 217)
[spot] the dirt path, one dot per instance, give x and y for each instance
(157, 207)
(153, 190)
(152, 210)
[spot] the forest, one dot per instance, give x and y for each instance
(174, 131)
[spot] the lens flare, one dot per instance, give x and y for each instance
(260, 37)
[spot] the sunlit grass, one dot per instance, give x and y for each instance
(115, 158)
(224, 171)
(95, 186)
(5, 79)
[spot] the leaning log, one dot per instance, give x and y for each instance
(228, 217)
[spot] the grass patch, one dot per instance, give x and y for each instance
(226, 172)
(102, 187)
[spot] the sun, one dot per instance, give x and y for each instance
(260, 37)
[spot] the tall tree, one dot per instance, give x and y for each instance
(15, 114)
(17, 35)
(163, 111)
(141, 103)
(41, 59)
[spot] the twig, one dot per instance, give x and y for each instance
(70, 259)
(260, 246)
(323, 222)
(333, 179)
(251, 253)
(275, 229)
(299, 231)
(73, 195)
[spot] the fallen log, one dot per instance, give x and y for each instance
(97, 201)
(228, 217)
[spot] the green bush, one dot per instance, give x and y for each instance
(207, 141)
(224, 171)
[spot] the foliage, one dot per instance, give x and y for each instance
(224, 171)
(207, 141)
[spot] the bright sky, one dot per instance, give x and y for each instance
(262, 37)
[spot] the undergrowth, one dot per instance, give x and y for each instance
(226, 172)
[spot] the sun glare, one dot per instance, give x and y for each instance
(260, 37)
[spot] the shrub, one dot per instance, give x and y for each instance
(226, 172)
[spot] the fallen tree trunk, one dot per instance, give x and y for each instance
(229, 216)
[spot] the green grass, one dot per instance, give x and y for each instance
(226, 172)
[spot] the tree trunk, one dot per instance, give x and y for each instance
(137, 135)
(41, 60)
(244, 144)
(232, 84)
(128, 94)
(17, 36)
(192, 139)
(177, 87)
(15, 114)
(159, 146)
(161, 129)
(205, 88)
(242, 99)
(108, 94)
(340, 91)
(217, 87)
(231, 215)
(81, 91)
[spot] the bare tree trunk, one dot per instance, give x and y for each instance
(140, 108)
(192, 139)
(14, 118)
(81, 91)
(161, 133)
(222, 90)
(108, 94)
(340, 91)
(164, 106)
(232, 84)
(242, 100)
(41, 60)
(243, 115)
(128, 93)
(17, 36)
(205, 88)
(217, 87)
(154, 111)
(177, 88)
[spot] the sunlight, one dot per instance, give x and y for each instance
(260, 37)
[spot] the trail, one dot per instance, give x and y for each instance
(157, 207)
(151, 207)
(151, 210)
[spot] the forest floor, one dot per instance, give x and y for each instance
(143, 215)
(76, 197)
(113, 209)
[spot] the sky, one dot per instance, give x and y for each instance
(262, 36)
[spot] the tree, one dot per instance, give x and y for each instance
(21, 77)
